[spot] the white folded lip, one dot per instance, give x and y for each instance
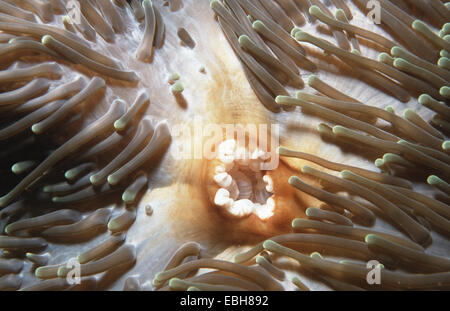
(244, 188)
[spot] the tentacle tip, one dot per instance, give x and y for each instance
(292, 180)
(269, 244)
(379, 163)
(112, 180)
(444, 91)
(370, 238)
(316, 255)
(177, 88)
(46, 39)
(433, 180)
(305, 169)
(36, 129)
(314, 10)
(119, 125)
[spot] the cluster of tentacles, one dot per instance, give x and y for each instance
(41, 104)
(263, 35)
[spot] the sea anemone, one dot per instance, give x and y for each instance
(111, 110)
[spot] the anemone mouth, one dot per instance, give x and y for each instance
(244, 187)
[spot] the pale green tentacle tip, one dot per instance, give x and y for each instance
(113, 225)
(390, 109)
(193, 289)
(345, 173)
(214, 2)
(338, 129)
(445, 91)
(66, 19)
(399, 62)
(173, 281)
(112, 180)
(386, 156)
(37, 272)
(70, 174)
(370, 238)
(312, 79)
(174, 77)
(279, 99)
(294, 31)
(243, 39)
(340, 13)
(417, 24)
(301, 35)
(293, 222)
(8, 230)
(19, 168)
(147, 2)
(322, 128)
(433, 180)
(379, 163)
(260, 259)
(47, 189)
(383, 56)
(444, 53)
(445, 30)
(46, 39)
(158, 278)
(81, 259)
(316, 255)
(94, 180)
(442, 62)
(314, 10)
(257, 24)
(269, 244)
(307, 213)
(295, 279)
(62, 271)
(128, 196)
(36, 129)
(395, 50)
(446, 145)
(56, 199)
(424, 98)
(356, 52)
(236, 258)
(305, 168)
(177, 88)
(119, 125)
(292, 179)
(408, 113)
(155, 283)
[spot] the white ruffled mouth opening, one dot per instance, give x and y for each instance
(245, 189)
